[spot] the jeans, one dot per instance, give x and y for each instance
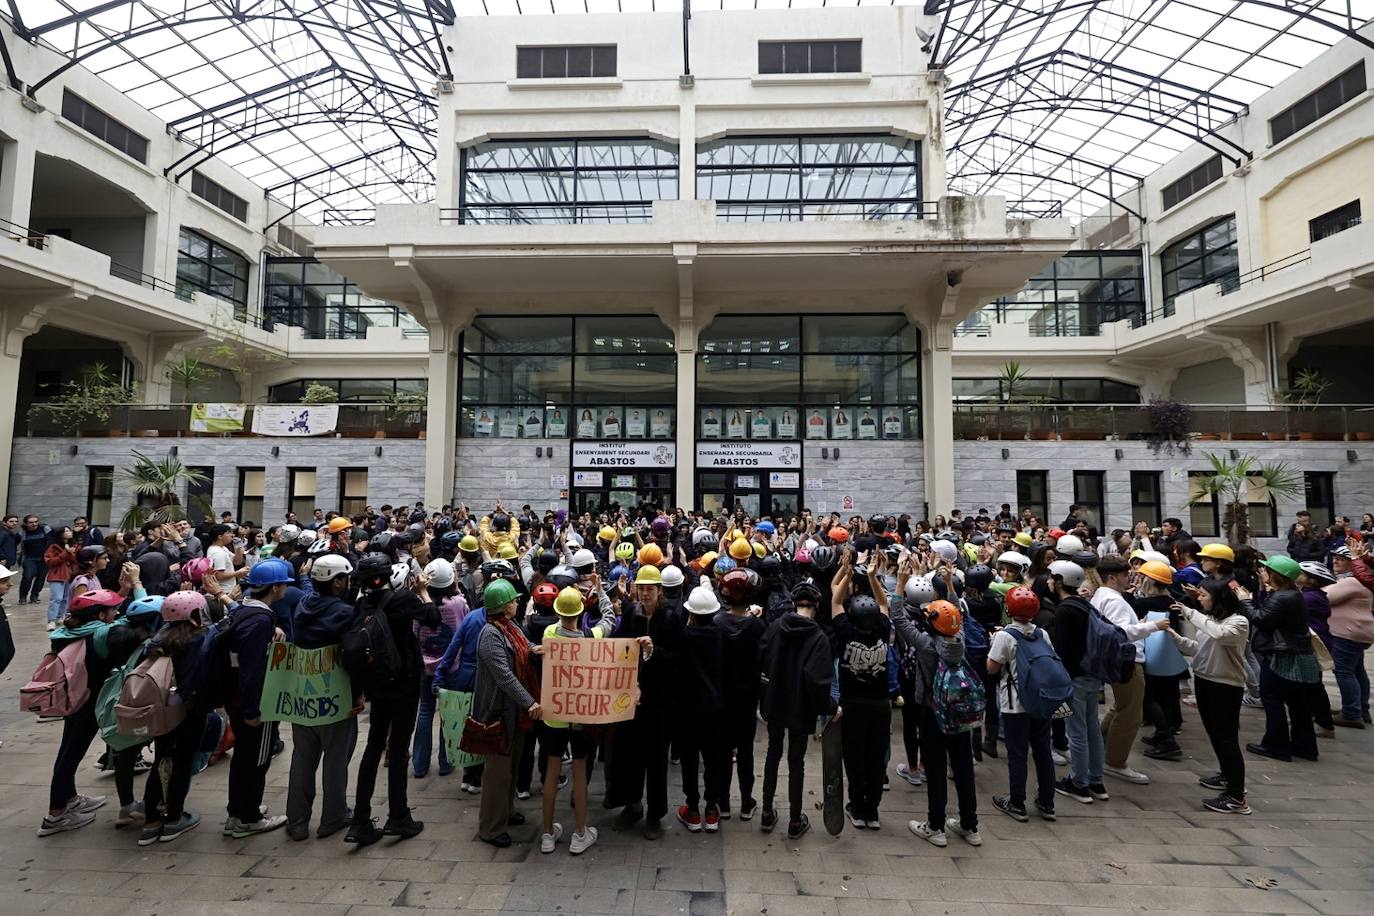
(1025, 733)
(1287, 716)
(424, 733)
(1218, 705)
(1351, 677)
(35, 571)
(1085, 734)
(389, 718)
(796, 739)
(864, 735)
(78, 731)
(1252, 673)
(936, 746)
(57, 601)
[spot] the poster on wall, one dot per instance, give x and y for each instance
(785, 480)
(508, 426)
(867, 424)
(815, 424)
(892, 423)
(841, 424)
(610, 423)
(734, 424)
(586, 424)
(483, 424)
(557, 423)
(295, 419)
(532, 427)
(761, 426)
(661, 426)
(787, 424)
(217, 418)
(710, 424)
(588, 479)
(623, 481)
(634, 423)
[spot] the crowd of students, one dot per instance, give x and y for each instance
(987, 634)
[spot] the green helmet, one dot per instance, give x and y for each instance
(1284, 565)
(627, 533)
(498, 594)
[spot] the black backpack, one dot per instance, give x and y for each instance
(212, 673)
(367, 649)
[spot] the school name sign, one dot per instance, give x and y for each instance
(305, 686)
(590, 681)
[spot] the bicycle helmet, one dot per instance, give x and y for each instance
(979, 577)
(919, 591)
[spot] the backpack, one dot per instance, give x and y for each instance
(149, 705)
(58, 686)
(367, 649)
(1041, 678)
(957, 698)
(1108, 656)
(106, 700)
(216, 661)
(976, 640)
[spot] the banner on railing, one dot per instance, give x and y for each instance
(295, 419)
(217, 418)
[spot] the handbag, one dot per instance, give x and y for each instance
(1323, 654)
(485, 738)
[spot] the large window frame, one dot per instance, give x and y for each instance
(1319, 488)
(103, 127)
(1093, 504)
(199, 260)
(251, 505)
(790, 192)
(100, 495)
(569, 169)
(988, 390)
(1204, 519)
(1191, 183)
(1146, 497)
(1067, 300)
(291, 392)
(1204, 249)
(1346, 216)
(196, 492)
(218, 196)
(351, 501)
(844, 55)
(1027, 484)
(303, 293)
(303, 485)
(1314, 106)
(549, 62)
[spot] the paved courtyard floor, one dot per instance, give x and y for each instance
(1309, 847)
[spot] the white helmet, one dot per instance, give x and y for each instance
(1071, 573)
(1012, 558)
(306, 537)
(945, 550)
(919, 591)
(1068, 544)
(286, 534)
(672, 577)
(1318, 571)
(583, 559)
(321, 545)
(810, 544)
(574, 539)
(703, 536)
(1147, 555)
(329, 567)
(400, 572)
(702, 601)
(440, 573)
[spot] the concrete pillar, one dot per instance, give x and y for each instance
(441, 419)
(16, 182)
(685, 485)
(687, 149)
(937, 421)
(9, 381)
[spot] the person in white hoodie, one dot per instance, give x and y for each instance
(1121, 722)
(1352, 632)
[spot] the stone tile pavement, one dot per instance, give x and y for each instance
(1309, 848)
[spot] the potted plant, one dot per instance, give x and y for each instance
(405, 407)
(155, 484)
(1303, 395)
(87, 403)
(1228, 483)
(319, 393)
(1170, 424)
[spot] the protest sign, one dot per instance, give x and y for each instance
(453, 709)
(590, 681)
(305, 686)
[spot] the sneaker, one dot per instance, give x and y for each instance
(403, 828)
(971, 837)
(52, 625)
(1170, 751)
(230, 825)
(562, 782)
(522, 794)
(887, 786)
(187, 821)
(1046, 811)
(131, 813)
(712, 823)
(628, 817)
(1216, 782)
(913, 776)
(1343, 722)
(746, 809)
(500, 841)
(653, 829)
(516, 819)
(854, 819)
(142, 765)
(548, 841)
(1068, 788)
(471, 788)
(796, 828)
(333, 827)
(932, 836)
(1098, 791)
(1326, 732)
(150, 834)
(365, 833)
(86, 803)
(1252, 702)
(266, 825)
(583, 841)
(71, 819)
(768, 821)
(725, 812)
(1225, 804)
(689, 818)
(1004, 804)
(1127, 775)
(1059, 759)
(874, 824)
(298, 832)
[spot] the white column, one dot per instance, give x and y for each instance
(9, 381)
(685, 487)
(441, 419)
(937, 420)
(16, 183)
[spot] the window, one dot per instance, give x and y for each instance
(103, 127)
(1264, 515)
(1067, 391)
(810, 56)
(200, 498)
(1337, 220)
(301, 499)
(1203, 518)
(1145, 498)
(350, 390)
(219, 196)
(1089, 492)
(205, 265)
(1073, 297)
(252, 490)
(566, 181)
(1320, 487)
(1033, 492)
(1319, 104)
(1206, 174)
(1207, 256)
(99, 495)
(352, 491)
(565, 62)
(779, 178)
(304, 293)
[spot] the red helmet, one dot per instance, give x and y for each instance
(545, 593)
(1056, 533)
(94, 602)
(945, 618)
(1022, 604)
(738, 585)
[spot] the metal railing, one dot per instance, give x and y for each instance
(1232, 422)
(1074, 319)
(792, 211)
(333, 322)
(549, 213)
(124, 272)
(1330, 229)
(23, 235)
(1265, 271)
(356, 420)
(1033, 208)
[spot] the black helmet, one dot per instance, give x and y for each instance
(877, 523)
(416, 531)
(861, 583)
(979, 577)
(823, 558)
(373, 571)
(498, 569)
(88, 555)
(548, 559)
(381, 542)
(771, 566)
(806, 590)
(978, 539)
(449, 540)
(562, 576)
(863, 605)
(500, 522)
(1084, 558)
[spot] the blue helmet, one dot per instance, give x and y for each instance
(723, 565)
(766, 527)
(149, 606)
(270, 572)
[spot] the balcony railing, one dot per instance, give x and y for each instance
(792, 211)
(23, 235)
(356, 421)
(1075, 319)
(125, 272)
(546, 213)
(1232, 422)
(1265, 271)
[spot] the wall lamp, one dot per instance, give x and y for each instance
(1351, 455)
(548, 451)
(377, 451)
(1006, 453)
(1120, 454)
(835, 453)
(74, 449)
(173, 450)
(276, 450)
(1235, 454)
(825, 453)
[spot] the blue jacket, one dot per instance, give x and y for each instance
(252, 635)
(9, 547)
(463, 647)
(285, 612)
(321, 621)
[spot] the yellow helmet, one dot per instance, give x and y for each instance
(1022, 538)
(607, 534)
(468, 544)
(740, 549)
(568, 603)
(1162, 573)
(648, 575)
(507, 551)
(759, 550)
(708, 558)
(1218, 552)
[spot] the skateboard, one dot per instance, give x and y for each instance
(832, 778)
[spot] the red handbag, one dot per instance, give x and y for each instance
(485, 739)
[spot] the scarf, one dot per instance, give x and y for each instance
(524, 667)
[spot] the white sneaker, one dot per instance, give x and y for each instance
(129, 814)
(265, 825)
(874, 824)
(583, 841)
(1127, 774)
(522, 794)
(86, 803)
(923, 830)
(71, 819)
(971, 837)
(52, 625)
(549, 840)
(470, 788)
(230, 825)
(913, 777)
(1059, 759)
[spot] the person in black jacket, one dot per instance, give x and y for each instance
(698, 710)
(1287, 665)
(1069, 636)
(743, 627)
(861, 635)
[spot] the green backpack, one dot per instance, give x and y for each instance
(108, 697)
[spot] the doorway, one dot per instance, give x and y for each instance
(754, 492)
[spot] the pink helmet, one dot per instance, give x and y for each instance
(183, 605)
(94, 601)
(802, 557)
(194, 571)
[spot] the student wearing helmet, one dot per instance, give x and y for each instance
(538, 617)
(698, 710)
(442, 587)
(984, 605)
(1281, 639)
(457, 670)
(1069, 634)
(672, 583)
(1312, 581)
(1218, 561)
(741, 622)
(1154, 594)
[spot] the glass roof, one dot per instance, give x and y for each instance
(329, 104)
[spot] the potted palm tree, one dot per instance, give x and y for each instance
(87, 403)
(156, 485)
(1229, 482)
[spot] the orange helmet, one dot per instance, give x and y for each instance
(650, 555)
(1160, 572)
(838, 535)
(1022, 604)
(944, 617)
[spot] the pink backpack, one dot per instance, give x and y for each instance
(149, 705)
(58, 687)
